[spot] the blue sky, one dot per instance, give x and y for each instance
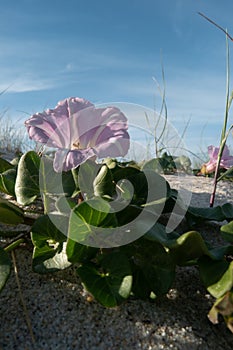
(109, 51)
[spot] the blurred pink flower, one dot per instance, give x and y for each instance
(226, 160)
(80, 131)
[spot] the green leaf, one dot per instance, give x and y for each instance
(86, 177)
(110, 282)
(5, 165)
(103, 183)
(227, 210)
(7, 181)
(140, 288)
(10, 214)
(128, 214)
(227, 232)
(156, 265)
(5, 268)
(221, 252)
(79, 253)
(53, 183)
(120, 172)
(45, 262)
(131, 183)
(189, 246)
(219, 213)
(148, 186)
(27, 180)
(217, 275)
(183, 163)
(159, 234)
(156, 164)
(49, 249)
(87, 217)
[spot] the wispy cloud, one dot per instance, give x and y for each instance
(27, 85)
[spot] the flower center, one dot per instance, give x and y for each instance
(76, 145)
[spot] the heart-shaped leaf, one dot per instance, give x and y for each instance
(27, 181)
(156, 266)
(110, 282)
(87, 217)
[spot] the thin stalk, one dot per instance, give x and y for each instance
(46, 202)
(227, 91)
(223, 134)
(229, 98)
(216, 25)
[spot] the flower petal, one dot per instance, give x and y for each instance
(115, 146)
(213, 152)
(53, 127)
(69, 159)
(227, 162)
(108, 125)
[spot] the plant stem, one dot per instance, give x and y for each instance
(46, 203)
(14, 244)
(224, 133)
(212, 197)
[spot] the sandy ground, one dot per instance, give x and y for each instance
(63, 317)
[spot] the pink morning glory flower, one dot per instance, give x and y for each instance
(226, 160)
(80, 131)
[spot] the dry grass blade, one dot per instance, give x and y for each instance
(216, 25)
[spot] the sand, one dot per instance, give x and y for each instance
(63, 316)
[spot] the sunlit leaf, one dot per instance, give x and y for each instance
(227, 232)
(88, 216)
(217, 275)
(103, 183)
(27, 180)
(53, 183)
(189, 246)
(224, 307)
